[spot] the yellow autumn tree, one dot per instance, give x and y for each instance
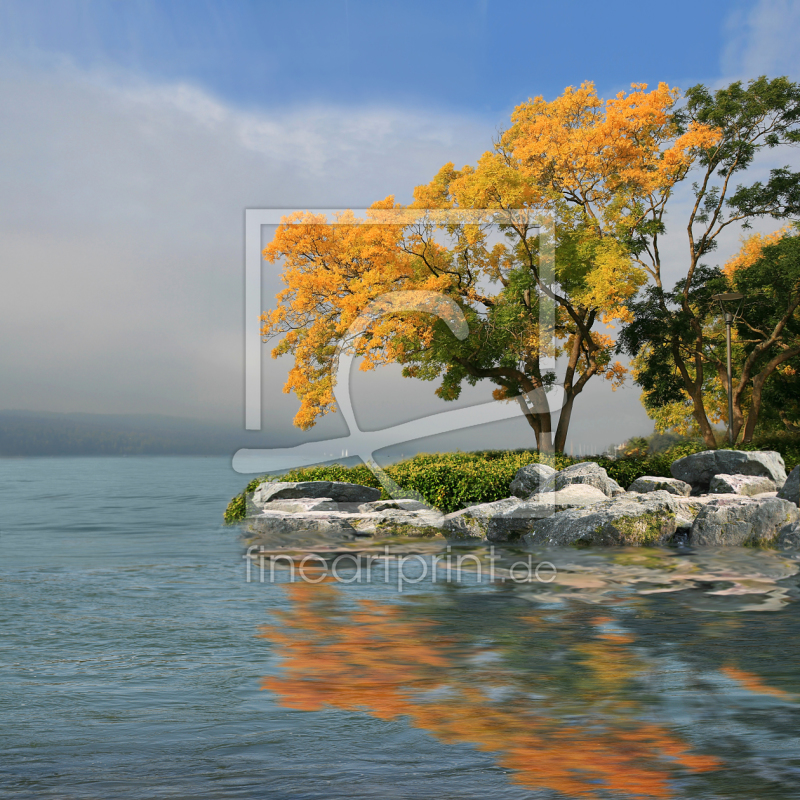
(577, 178)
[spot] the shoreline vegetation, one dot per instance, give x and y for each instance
(452, 481)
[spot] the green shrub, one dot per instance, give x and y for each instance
(626, 470)
(450, 481)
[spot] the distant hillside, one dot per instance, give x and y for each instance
(25, 433)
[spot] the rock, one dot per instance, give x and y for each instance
(746, 521)
(392, 505)
(335, 510)
(472, 522)
(791, 488)
(788, 537)
(276, 523)
(648, 483)
(686, 508)
(512, 523)
(747, 485)
(344, 524)
(587, 472)
(393, 523)
(571, 496)
(332, 490)
(718, 500)
(699, 468)
(645, 519)
(683, 529)
(529, 479)
(302, 505)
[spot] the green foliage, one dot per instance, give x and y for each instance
(765, 113)
(626, 470)
(635, 447)
(662, 325)
(677, 337)
(450, 481)
(236, 509)
(771, 286)
(780, 409)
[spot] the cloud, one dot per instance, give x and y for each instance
(122, 223)
(122, 226)
(762, 40)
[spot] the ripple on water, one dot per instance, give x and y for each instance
(137, 661)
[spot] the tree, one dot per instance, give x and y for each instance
(675, 335)
(780, 409)
(766, 339)
(596, 168)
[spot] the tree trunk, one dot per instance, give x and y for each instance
(699, 413)
(758, 387)
(539, 419)
(694, 388)
(755, 408)
(563, 423)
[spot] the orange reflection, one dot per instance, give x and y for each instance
(576, 728)
(754, 684)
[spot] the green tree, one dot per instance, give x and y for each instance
(766, 340)
(675, 335)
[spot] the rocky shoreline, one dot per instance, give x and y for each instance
(715, 498)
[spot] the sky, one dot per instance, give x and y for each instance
(134, 135)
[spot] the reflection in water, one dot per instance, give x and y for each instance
(557, 696)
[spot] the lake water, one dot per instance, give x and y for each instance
(137, 660)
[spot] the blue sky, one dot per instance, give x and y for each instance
(134, 135)
(482, 56)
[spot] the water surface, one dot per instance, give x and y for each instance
(138, 662)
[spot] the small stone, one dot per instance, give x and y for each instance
(791, 488)
(747, 485)
(789, 537)
(587, 472)
(338, 492)
(648, 483)
(529, 479)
